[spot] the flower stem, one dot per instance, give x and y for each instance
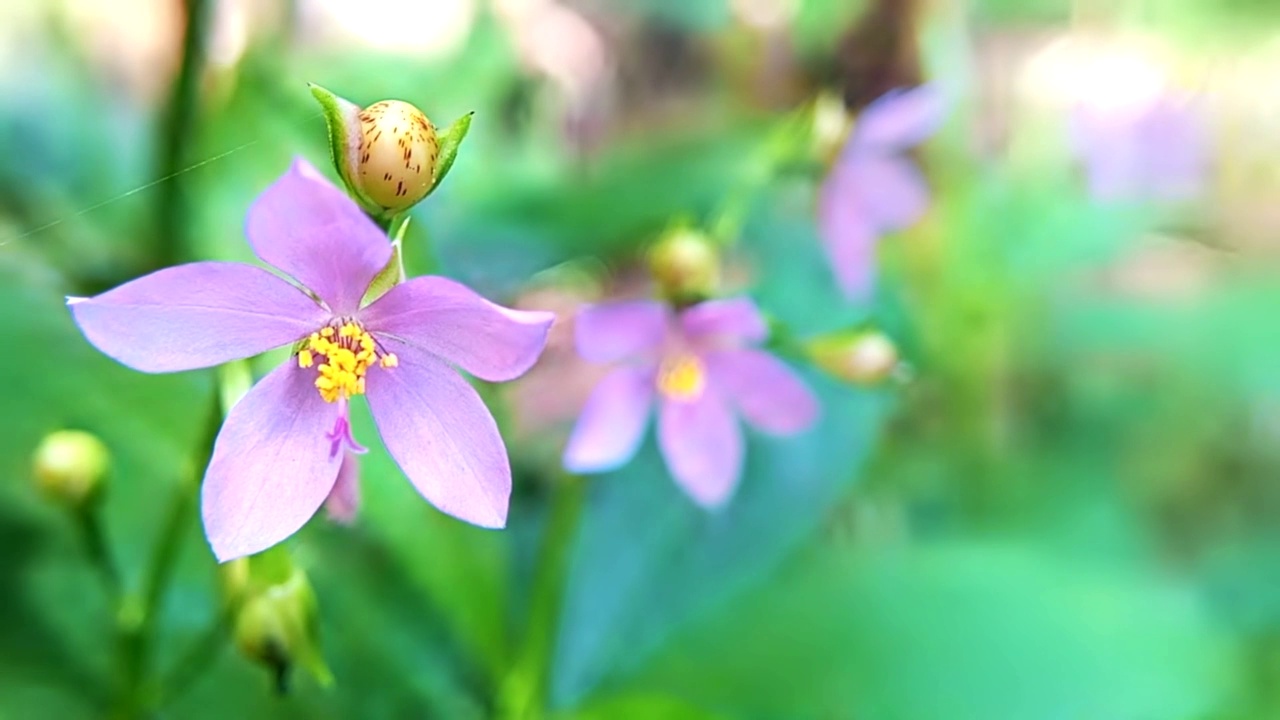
(93, 537)
(198, 657)
(778, 149)
(524, 690)
(139, 613)
(172, 232)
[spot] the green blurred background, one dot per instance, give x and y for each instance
(1067, 506)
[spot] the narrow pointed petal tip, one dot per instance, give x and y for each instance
(768, 393)
(702, 444)
(313, 232)
(850, 241)
(730, 319)
(612, 424)
(453, 322)
(442, 436)
(271, 468)
(900, 119)
(195, 315)
(616, 331)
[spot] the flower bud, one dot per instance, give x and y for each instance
(831, 124)
(397, 154)
(865, 357)
(70, 466)
(686, 265)
(389, 154)
(279, 628)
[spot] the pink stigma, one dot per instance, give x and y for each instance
(340, 436)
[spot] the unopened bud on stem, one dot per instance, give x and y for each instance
(685, 263)
(278, 626)
(70, 466)
(388, 154)
(866, 357)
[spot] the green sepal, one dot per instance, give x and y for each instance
(340, 115)
(450, 140)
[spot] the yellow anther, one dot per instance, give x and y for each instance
(682, 378)
(346, 352)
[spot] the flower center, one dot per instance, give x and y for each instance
(345, 353)
(682, 377)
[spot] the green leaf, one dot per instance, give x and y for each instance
(964, 630)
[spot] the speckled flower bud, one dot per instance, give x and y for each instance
(396, 154)
(388, 154)
(865, 357)
(278, 626)
(685, 263)
(70, 466)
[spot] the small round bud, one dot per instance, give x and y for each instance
(831, 123)
(397, 154)
(279, 628)
(862, 358)
(70, 466)
(686, 265)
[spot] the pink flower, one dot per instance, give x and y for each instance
(874, 188)
(701, 365)
(277, 456)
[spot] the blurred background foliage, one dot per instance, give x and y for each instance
(1067, 506)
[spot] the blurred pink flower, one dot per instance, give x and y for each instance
(1158, 151)
(701, 364)
(279, 452)
(874, 188)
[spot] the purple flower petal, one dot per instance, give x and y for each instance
(731, 321)
(899, 119)
(769, 394)
(442, 436)
(605, 333)
(612, 423)
(1108, 149)
(196, 315)
(702, 443)
(271, 466)
(451, 321)
(890, 191)
(850, 241)
(344, 499)
(1177, 142)
(314, 233)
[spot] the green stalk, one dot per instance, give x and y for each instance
(172, 237)
(139, 613)
(778, 149)
(202, 653)
(523, 694)
(94, 539)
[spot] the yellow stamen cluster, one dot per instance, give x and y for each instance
(682, 378)
(347, 352)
